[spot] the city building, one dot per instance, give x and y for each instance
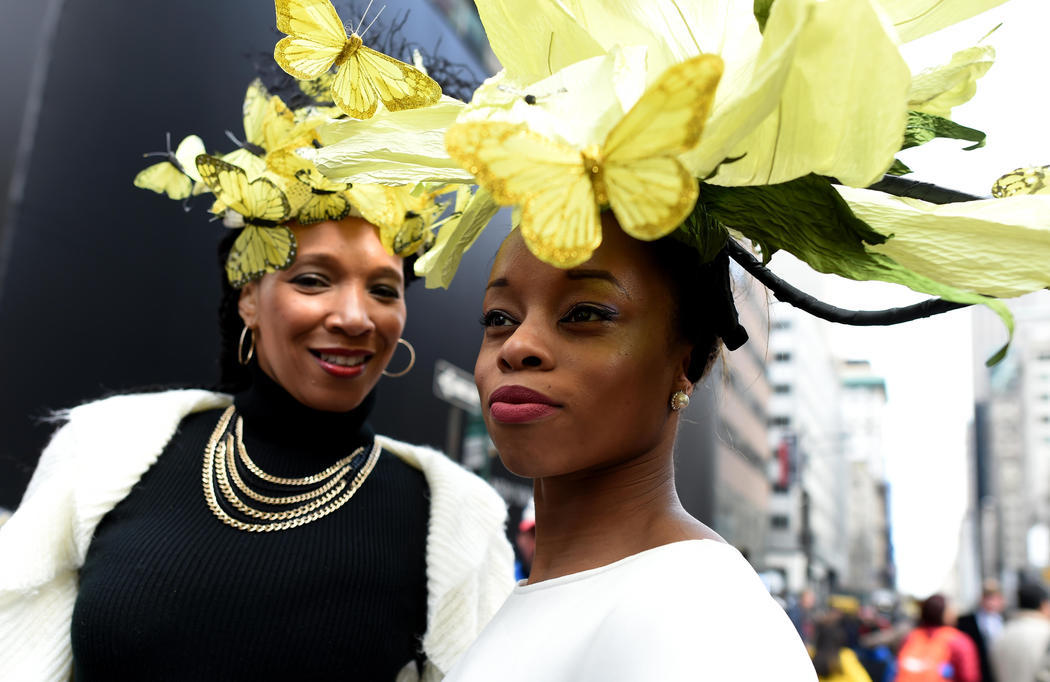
(808, 527)
(870, 564)
(722, 458)
(1011, 442)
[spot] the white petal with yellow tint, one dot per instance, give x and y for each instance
(996, 247)
(393, 148)
(533, 40)
(439, 264)
(916, 18)
(579, 104)
(836, 100)
(937, 90)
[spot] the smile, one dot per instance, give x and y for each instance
(340, 362)
(344, 360)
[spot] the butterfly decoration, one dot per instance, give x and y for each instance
(403, 214)
(1032, 180)
(561, 190)
(175, 175)
(262, 207)
(328, 200)
(316, 41)
(269, 127)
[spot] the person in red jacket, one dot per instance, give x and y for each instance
(935, 650)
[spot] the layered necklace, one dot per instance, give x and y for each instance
(303, 499)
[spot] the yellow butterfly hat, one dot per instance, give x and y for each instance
(723, 124)
(268, 182)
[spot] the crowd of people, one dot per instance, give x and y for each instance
(851, 642)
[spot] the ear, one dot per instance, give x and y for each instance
(248, 304)
(682, 382)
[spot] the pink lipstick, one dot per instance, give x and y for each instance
(518, 405)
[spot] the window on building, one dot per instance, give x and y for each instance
(782, 356)
(780, 420)
(779, 522)
(782, 388)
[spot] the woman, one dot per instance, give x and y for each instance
(188, 535)
(582, 373)
(936, 647)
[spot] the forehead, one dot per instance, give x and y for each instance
(351, 242)
(623, 257)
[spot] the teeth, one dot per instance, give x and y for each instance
(344, 360)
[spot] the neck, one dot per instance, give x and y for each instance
(589, 519)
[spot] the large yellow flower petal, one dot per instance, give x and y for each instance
(393, 148)
(915, 18)
(996, 247)
(831, 101)
(534, 39)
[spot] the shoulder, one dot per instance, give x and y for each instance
(705, 608)
(179, 402)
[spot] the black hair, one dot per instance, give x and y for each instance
(705, 314)
(829, 640)
(233, 376)
(931, 612)
(1030, 596)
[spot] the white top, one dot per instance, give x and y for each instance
(692, 610)
(101, 452)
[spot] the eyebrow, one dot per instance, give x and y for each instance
(574, 274)
(326, 259)
(605, 275)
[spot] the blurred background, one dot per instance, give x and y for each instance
(859, 463)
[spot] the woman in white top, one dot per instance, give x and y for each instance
(582, 374)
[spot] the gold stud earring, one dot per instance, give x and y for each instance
(679, 400)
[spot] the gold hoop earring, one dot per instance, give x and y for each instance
(411, 361)
(241, 358)
(679, 400)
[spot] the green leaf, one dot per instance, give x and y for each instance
(898, 168)
(762, 8)
(922, 128)
(809, 219)
(806, 216)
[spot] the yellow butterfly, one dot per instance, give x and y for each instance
(561, 189)
(317, 41)
(404, 218)
(269, 127)
(176, 175)
(328, 200)
(265, 244)
(1033, 180)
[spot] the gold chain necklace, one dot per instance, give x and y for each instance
(220, 469)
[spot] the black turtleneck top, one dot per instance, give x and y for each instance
(169, 592)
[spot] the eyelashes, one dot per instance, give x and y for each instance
(580, 313)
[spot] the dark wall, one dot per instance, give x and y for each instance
(108, 287)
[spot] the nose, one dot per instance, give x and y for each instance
(349, 313)
(528, 348)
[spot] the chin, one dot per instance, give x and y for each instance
(531, 461)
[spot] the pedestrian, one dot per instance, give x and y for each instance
(832, 659)
(935, 649)
(985, 625)
(1017, 655)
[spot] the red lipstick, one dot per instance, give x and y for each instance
(517, 405)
